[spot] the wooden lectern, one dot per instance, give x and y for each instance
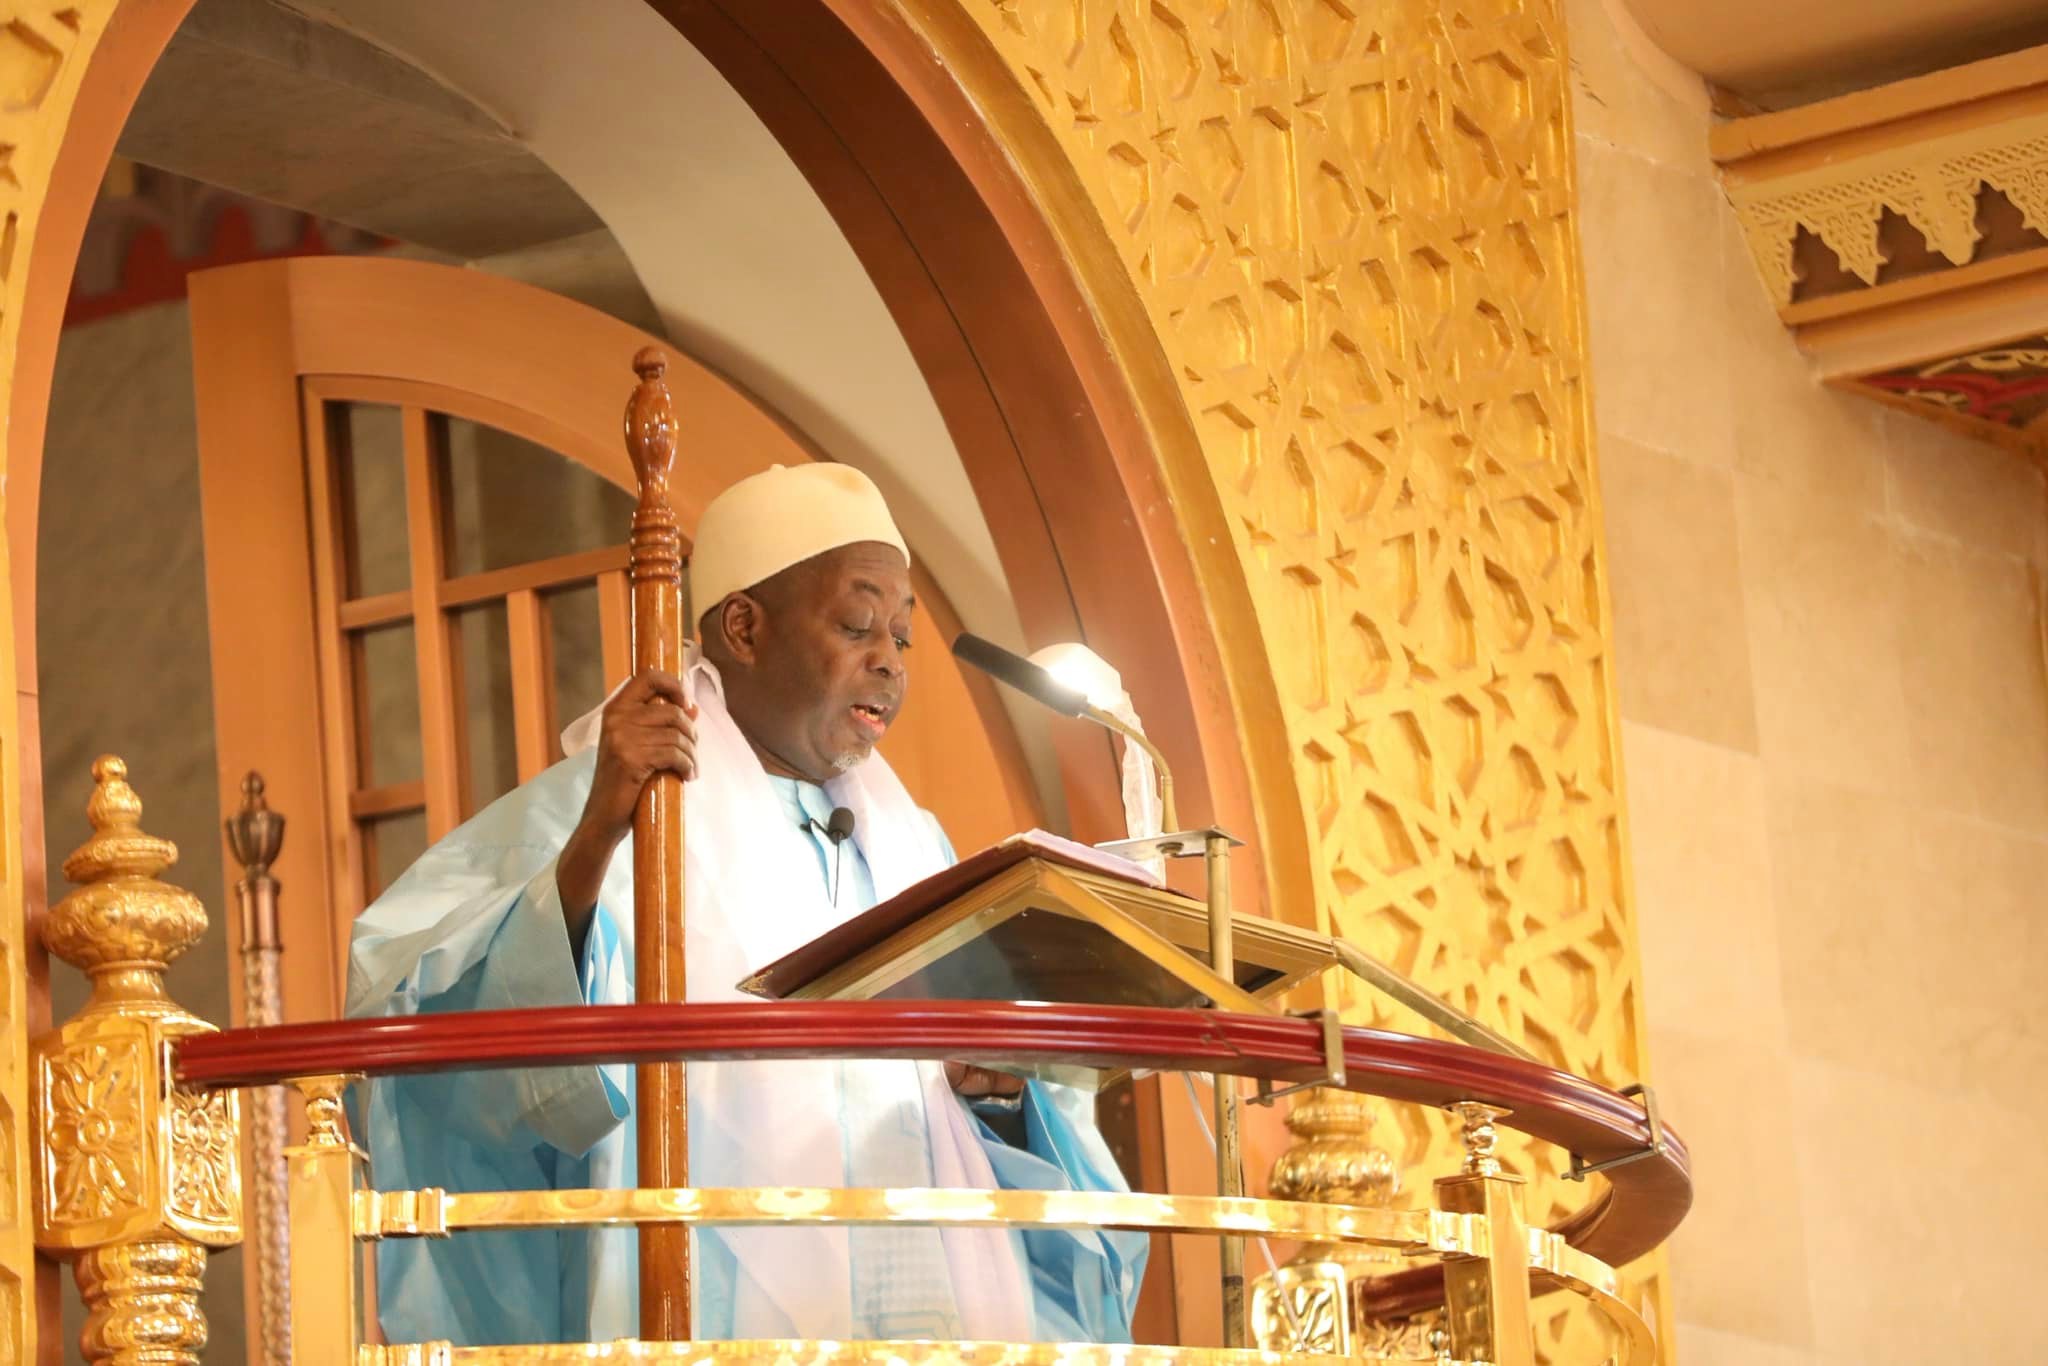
(1041, 918)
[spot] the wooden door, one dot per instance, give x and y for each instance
(414, 493)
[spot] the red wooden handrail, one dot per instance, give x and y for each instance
(1643, 1204)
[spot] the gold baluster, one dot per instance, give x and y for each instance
(1486, 1299)
(322, 1176)
(1311, 1304)
(135, 1178)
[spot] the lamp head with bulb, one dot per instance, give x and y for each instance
(1069, 679)
(1084, 671)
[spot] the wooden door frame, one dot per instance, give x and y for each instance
(273, 339)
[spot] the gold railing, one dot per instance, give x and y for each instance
(137, 1178)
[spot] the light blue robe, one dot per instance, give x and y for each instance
(477, 924)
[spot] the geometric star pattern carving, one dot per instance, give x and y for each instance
(1351, 224)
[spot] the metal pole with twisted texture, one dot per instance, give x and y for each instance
(135, 1177)
(255, 836)
(661, 1115)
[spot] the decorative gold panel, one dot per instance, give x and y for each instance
(93, 1100)
(1932, 185)
(1902, 234)
(1351, 225)
(1923, 149)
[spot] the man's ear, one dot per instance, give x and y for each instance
(738, 622)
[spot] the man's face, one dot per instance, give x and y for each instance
(821, 659)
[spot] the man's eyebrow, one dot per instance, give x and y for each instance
(874, 590)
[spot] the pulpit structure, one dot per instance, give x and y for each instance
(138, 1121)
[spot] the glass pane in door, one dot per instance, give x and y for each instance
(369, 459)
(390, 845)
(486, 703)
(512, 502)
(387, 705)
(578, 652)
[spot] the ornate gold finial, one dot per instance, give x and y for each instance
(118, 845)
(326, 1119)
(1333, 1160)
(1311, 1304)
(1480, 1136)
(135, 1177)
(122, 926)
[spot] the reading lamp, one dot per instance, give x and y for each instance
(1065, 697)
(1068, 696)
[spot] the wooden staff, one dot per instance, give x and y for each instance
(661, 1110)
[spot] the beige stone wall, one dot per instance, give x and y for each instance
(123, 658)
(1835, 730)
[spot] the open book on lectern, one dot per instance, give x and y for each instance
(1041, 918)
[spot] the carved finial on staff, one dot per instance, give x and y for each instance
(256, 837)
(135, 1178)
(655, 555)
(651, 429)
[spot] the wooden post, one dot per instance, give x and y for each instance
(661, 1113)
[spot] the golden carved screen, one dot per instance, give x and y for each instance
(1352, 227)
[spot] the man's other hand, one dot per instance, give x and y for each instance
(974, 1083)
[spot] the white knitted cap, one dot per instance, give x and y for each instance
(783, 516)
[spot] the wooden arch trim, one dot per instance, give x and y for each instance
(475, 333)
(975, 227)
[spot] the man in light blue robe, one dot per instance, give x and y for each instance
(530, 904)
